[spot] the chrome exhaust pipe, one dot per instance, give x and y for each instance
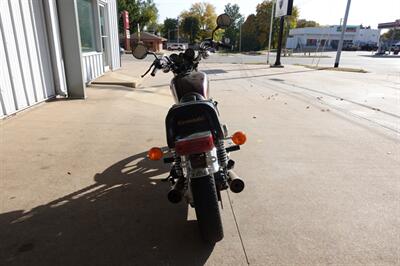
(236, 184)
(176, 193)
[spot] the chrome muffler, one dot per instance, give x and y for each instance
(175, 195)
(236, 184)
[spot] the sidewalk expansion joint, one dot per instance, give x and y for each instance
(237, 228)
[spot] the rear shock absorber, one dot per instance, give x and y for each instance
(222, 155)
(220, 177)
(175, 195)
(177, 165)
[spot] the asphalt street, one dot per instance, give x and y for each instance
(364, 60)
(386, 65)
(321, 168)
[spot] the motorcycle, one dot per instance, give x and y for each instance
(200, 164)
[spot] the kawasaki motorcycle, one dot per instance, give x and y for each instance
(199, 157)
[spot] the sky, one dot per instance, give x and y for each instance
(325, 12)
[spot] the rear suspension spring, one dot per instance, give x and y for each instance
(177, 164)
(221, 153)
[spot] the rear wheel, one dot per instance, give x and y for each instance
(207, 208)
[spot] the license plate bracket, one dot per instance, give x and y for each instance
(198, 160)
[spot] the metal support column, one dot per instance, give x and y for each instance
(71, 44)
(339, 51)
(278, 53)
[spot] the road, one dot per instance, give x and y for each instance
(321, 169)
(363, 60)
(387, 65)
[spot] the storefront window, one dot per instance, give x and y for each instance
(311, 42)
(86, 25)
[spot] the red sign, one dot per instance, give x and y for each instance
(125, 18)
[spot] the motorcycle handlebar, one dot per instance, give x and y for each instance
(148, 70)
(153, 73)
(166, 64)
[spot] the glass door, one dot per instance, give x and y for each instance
(105, 42)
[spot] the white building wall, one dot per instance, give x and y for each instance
(332, 33)
(31, 58)
(92, 65)
(26, 71)
(53, 27)
(368, 36)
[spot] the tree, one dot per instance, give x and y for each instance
(237, 19)
(303, 23)
(391, 34)
(148, 14)
(249, 34)
(263, 22)
(142, 12)
(255, 31)
(154, 28)
(263, 19)
(169, 29)
(191, 27)
(290, 23)
(205, 13)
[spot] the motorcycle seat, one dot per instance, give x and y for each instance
(192, 96)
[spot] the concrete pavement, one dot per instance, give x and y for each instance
(386, 65)
(322, 183)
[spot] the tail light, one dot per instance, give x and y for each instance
(196, 143)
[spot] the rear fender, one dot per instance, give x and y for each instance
(187, 118)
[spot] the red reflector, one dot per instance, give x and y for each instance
(194, 144)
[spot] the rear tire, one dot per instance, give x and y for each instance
(207, 209)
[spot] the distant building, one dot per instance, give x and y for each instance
(328, 37)
(389, 43)
(151, 41)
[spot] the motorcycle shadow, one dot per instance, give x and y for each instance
(124, 218)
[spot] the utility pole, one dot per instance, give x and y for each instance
(343, 27)
(178, 29)
(270, 30)
(240, 37)
(283, 9)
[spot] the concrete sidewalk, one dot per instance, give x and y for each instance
(128, 75)
(321, 184)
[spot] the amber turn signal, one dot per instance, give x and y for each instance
(239, 138)
(155, 154)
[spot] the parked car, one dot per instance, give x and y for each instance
(350, 47)
(395, 48)
(176, 46)
(368, 47)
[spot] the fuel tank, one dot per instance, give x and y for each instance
(196, 81)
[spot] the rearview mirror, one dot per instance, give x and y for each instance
(140, 51)
(223, 21)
